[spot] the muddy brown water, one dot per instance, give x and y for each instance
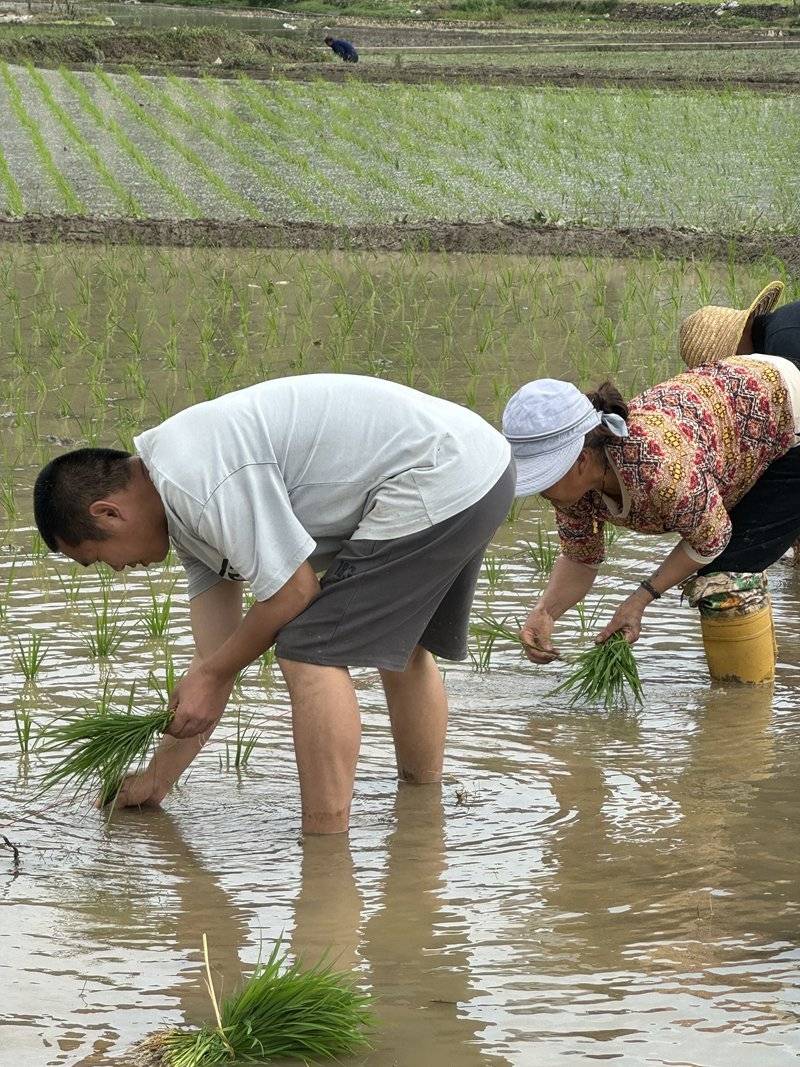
(585, 886)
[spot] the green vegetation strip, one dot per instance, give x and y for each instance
(247, 131)
(129, 202)
(16, 98)
(355, 154)
(334, 138)
(169, 46)
(228, 194)
(15, 205)
(146, 165)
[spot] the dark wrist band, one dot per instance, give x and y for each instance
(651, 589)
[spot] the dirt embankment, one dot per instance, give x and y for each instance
(184, 46)
(421, 73)
(513, 236)
(699, 13)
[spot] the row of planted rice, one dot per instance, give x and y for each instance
(130, 145)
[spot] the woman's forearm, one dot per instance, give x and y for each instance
(676, 568)
(569, 583)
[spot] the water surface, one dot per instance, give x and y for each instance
(585, 886)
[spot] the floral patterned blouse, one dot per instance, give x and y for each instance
(697, 443)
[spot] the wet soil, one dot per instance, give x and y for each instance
(511, 236)
(422, 73)
(411, 73)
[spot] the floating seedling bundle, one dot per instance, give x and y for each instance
(281, 1012)
(101, 749)
(605, 674)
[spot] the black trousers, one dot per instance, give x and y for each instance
(765, 521)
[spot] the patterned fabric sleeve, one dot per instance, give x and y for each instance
(701, 519)
(581, 533)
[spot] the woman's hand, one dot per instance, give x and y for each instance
(627, 619)
(140, 790)
(535, 636)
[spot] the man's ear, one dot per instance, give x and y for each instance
(105, 512)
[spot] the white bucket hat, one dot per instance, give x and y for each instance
(545, 422)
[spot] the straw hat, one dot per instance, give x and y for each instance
(713, 333)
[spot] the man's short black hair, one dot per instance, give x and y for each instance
(69, 485)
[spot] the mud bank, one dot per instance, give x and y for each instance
(425, 74)
(511, 237)
(567, 77)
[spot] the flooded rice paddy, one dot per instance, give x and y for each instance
(585, 887)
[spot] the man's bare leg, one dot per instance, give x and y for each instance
(327, 734)
(418, 713)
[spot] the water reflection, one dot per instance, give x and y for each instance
(161, 932)
(416, 946)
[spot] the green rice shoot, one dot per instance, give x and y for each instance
(604, 674)
(486, 632)
(103, 748)
(281, 1012)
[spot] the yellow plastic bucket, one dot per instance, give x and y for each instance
(741, 648)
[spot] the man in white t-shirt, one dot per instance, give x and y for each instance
(393, 494)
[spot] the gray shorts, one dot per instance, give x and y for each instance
(380, 599)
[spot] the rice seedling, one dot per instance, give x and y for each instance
(164, 689)
(156, 617)
(70, 584)
(14, 205)
(30, 656)
(494, 569)
(8, 498)
(6, 588)
(589, 616)
(108, 631)
(237, 755)
(281, 1012)
(543, 550)
(515, 510)
(611, 534)
(102, 747)
(486, 632)
(604, 674)
(23, 725)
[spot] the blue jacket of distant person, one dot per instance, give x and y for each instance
(343, 49)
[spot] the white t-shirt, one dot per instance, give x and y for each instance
(791, 379)
(257, 481)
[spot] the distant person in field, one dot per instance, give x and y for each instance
(343, 49)
(390, 495)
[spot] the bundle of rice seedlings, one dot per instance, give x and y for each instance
(603, 675)
(281, 1012)
(103, 748)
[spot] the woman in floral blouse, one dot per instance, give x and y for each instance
(708, 455)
